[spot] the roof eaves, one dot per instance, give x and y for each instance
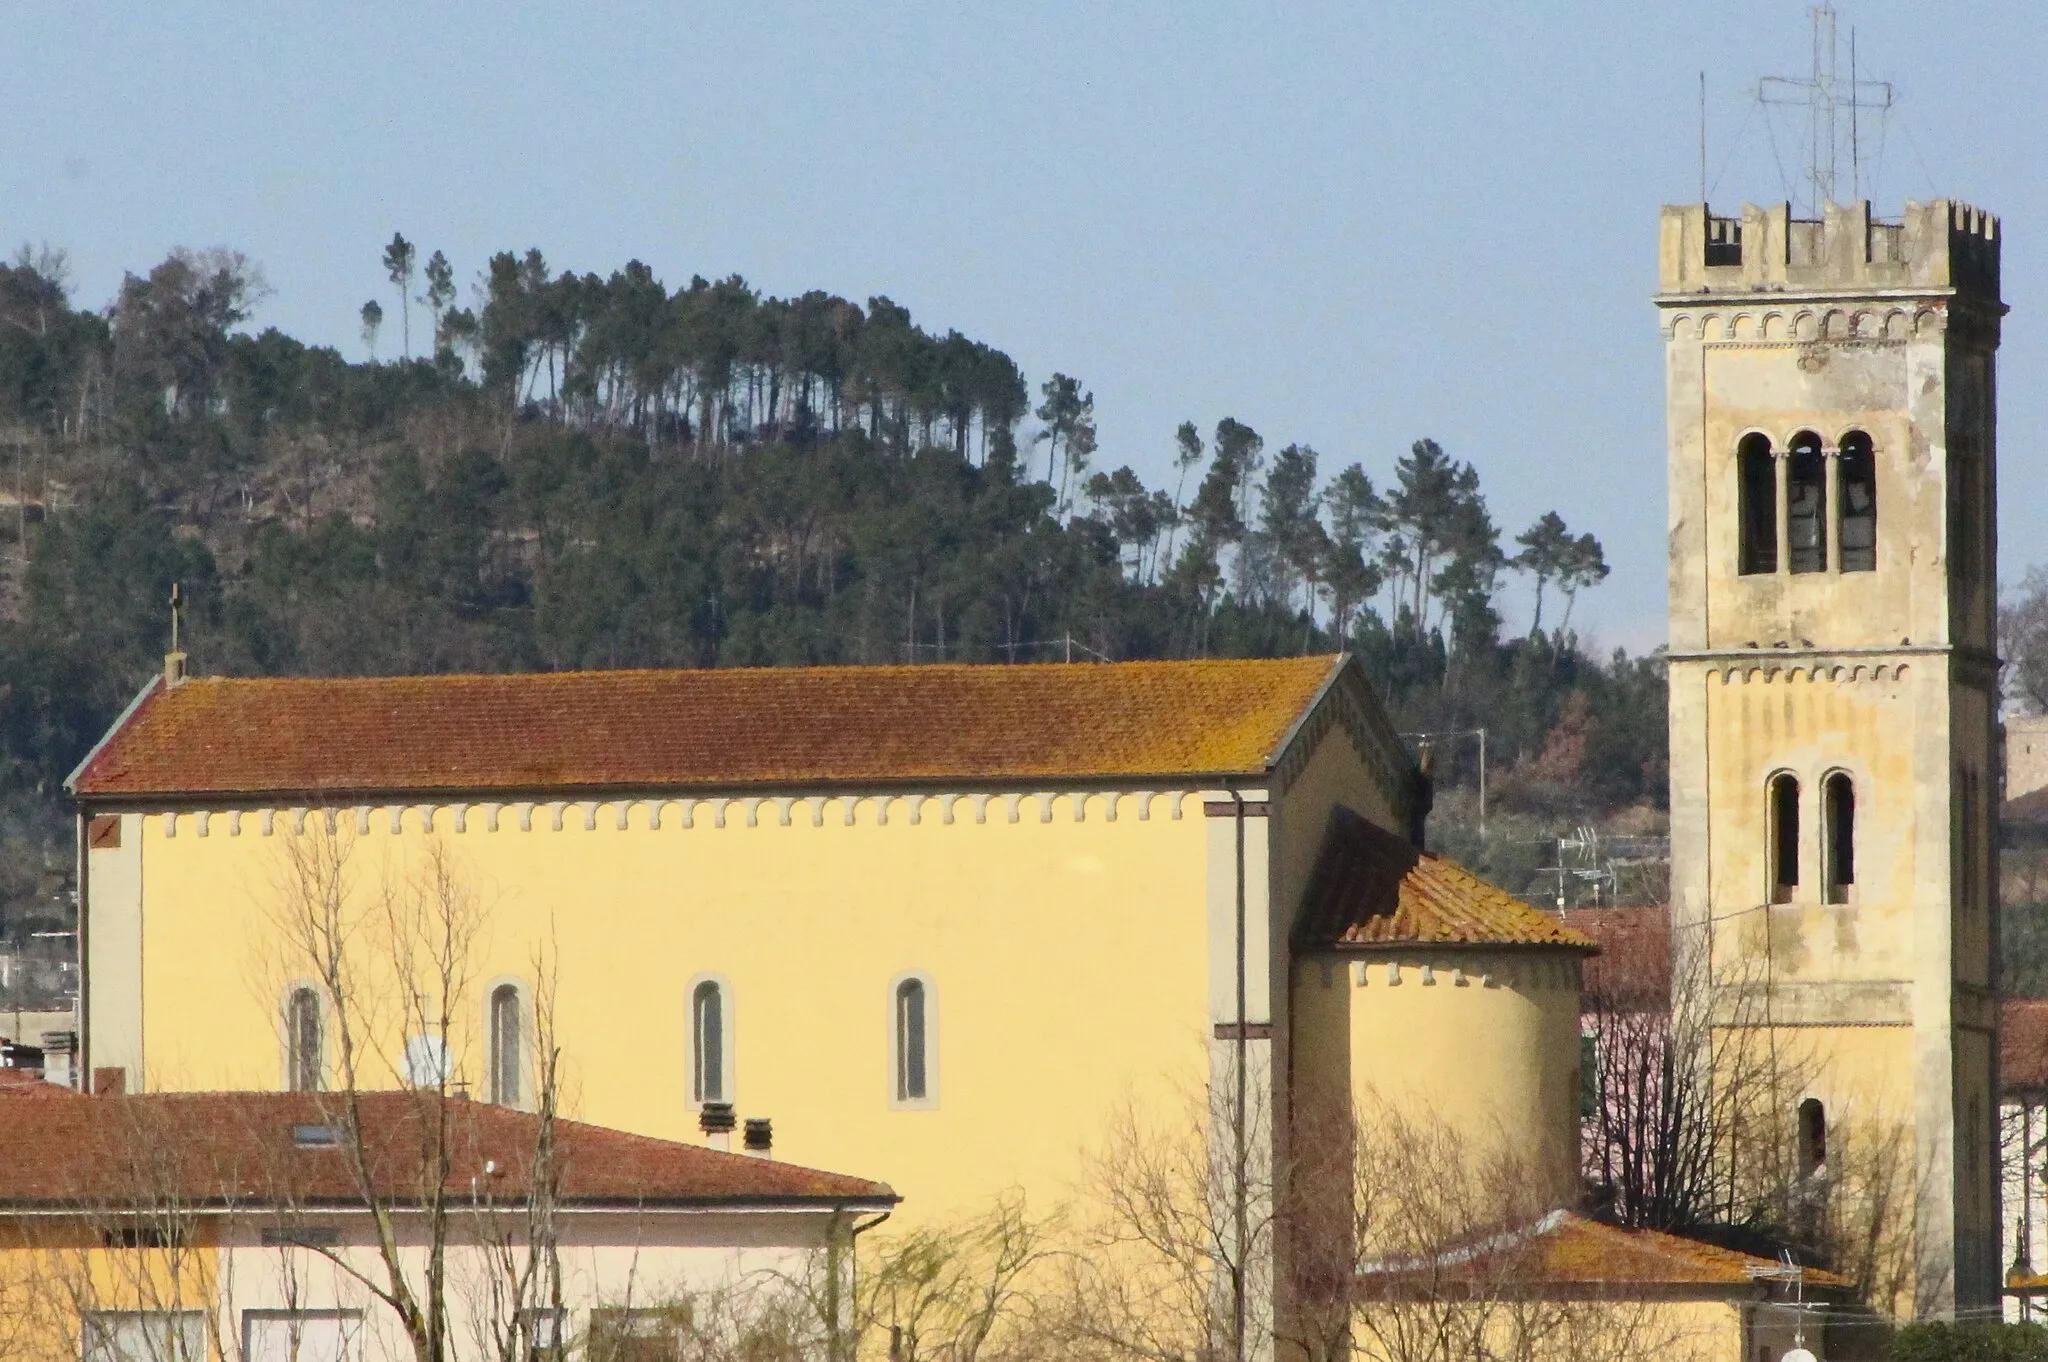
(1410, 943)
(1301, 717)
(319, 797)
(71, 781)
(1382, 731)
(885, 1199)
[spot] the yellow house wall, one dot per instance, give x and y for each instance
(1067, 959)
(54, 1269)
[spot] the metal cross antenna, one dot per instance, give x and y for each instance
(1826, 96)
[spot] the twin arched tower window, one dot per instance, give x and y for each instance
(1837, 840)
(1825, 494)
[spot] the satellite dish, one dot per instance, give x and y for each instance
(1798, 1355)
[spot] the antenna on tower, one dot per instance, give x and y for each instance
(1825, 97)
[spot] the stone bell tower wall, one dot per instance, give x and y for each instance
(1816, 369)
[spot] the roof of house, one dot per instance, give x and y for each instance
(197, 1149)
(1372, 888)
(710, 728)
(1564, 1249)
(1633, 969)
(27, 1083)
(2023, 1044)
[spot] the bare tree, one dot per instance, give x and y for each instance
(1449, 1233)
(1164, 1262)
(1694, 1121)
(396, 967)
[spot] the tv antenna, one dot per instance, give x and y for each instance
(1830, 101)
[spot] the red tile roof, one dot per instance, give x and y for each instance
(1633, 969)
(1567, 1250)
(718, 728)
(2023, 1044)
(1372, 888)
(24, 1083)
(206, 1148)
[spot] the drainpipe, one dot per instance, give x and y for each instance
(1238, 1135)
(81, 1062)
(853, 1235)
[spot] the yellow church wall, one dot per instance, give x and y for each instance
(1067, 961)
(1485, 1043)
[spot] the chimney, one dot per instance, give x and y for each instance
(174, 669)
(716, 1121)
(760, 1135)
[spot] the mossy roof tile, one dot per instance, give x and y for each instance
(711, 728)
(1372, 888)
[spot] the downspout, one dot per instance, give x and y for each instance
(81, 1064)
(852, 1279)
(1242, 1095)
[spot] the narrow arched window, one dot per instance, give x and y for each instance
(1784, 837)
(1806, 491)
(507, 1045)
(1838, 795)
(913, 1035)
(707, 1043)
(1757, 489)
(1813, 1137)
(303, 1040)
(1856, 476)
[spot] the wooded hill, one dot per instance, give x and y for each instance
(576, 471)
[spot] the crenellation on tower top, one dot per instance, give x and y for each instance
(1937, 246)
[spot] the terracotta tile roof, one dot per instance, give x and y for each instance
(1568, 1250)
(1372, 888)
(24, 1083)
(202, 1148)
(2023, 1044)
(1633, 969)
(710, 728)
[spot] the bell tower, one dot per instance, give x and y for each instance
(1833, 684)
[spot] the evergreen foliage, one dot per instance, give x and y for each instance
(602, 472)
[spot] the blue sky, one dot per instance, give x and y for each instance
(1350, 225)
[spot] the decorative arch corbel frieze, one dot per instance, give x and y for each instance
(892, 808)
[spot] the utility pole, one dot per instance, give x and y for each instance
(1478, 733)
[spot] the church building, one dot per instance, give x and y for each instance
(943, 923)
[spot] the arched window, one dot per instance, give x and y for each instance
(1757, 488)
(1784, 836)
(1856, 476)
(508, 1056)
(708, 1078)
(1806, 491)
(303, 1040)
(1813, 1137)
(911, 1024)
(1838, 794)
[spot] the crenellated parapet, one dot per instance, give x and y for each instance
(1940, 246)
